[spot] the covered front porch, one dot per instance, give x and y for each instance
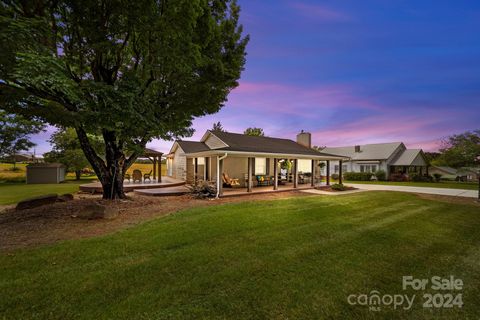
(237, 173)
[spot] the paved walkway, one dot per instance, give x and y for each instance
(437, 191)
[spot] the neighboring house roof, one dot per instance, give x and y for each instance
(192, 146)
(245, 143)
(407, 157)
(377, 151)
(447, 170)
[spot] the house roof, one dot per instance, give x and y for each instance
(256, 144)
(192, 146)
(448, 170)
(377, 151)
(407, 157)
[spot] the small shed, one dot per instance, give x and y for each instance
(45, 173)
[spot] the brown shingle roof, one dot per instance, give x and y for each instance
(192, 146)
(245, 143)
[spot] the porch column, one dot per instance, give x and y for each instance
(275, 174)
(340, 172)
(219, 174)
(206, 169)
(312, 178)
(160, 169)
(295, 173)
(328, 173)
(249, 173)
(154, 167)
(195, 169)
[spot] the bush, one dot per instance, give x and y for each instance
(334, 176)
(398, 177)
(358, 176)
(437, 177)
(420, 178)
(381, 175)
(338, 187)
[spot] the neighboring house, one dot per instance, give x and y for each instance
(446, 172)
(390, 157)
(241, 156)
(468, 174)
(449, 173)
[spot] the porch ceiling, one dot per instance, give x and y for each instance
(213, 153)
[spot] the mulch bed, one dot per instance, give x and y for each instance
(329, 189)
(60, 221)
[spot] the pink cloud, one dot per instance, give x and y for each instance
(319, 12)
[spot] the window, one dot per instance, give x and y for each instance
(337, 168)
(368, 168)
(304, 166)
(260, 165)
(201, 161)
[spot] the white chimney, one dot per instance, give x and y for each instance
(305, 139)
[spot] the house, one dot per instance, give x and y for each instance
(447, 173)
(249, 160)
(391, 157)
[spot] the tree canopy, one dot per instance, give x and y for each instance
(254, 132)
(15, 132)
(67, 150)
(217, 126)
(460, 150)
(129, 71)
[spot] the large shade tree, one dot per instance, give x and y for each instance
(129, 71)
(460, 150)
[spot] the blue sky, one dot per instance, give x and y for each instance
(354, 72)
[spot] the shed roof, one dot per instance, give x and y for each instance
(45, 165)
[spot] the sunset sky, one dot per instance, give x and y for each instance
(355, 72)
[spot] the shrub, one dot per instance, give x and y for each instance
(420, 178)
(381, 175)
(437, 177)
(358, 176)
(398, 177)
(338, 187)
(335, 176)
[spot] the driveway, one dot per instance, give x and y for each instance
(436, 191)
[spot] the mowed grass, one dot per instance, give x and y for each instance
(11, 193)
(441, 184)
(297, 258)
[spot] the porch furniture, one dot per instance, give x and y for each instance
(229, 182)
(263, 180)
(146, 176)
(127, 177)
(137, 176)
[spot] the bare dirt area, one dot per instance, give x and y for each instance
(60, 221)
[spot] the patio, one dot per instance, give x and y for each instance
(164, 182)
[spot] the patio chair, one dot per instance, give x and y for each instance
(229, 182)
(146, 176)
(137, 176)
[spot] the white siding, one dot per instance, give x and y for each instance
(214, 143)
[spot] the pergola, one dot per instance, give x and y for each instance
(156, 158)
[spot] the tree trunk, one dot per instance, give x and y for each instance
(111, 171)
(78, 173)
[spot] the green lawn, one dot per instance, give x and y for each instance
(11, 193)
(442, 184)
(296, 258)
